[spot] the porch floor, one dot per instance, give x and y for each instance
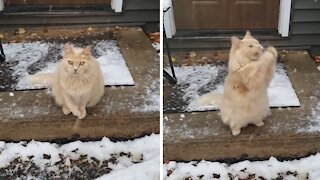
(289, 132)
(124, 112)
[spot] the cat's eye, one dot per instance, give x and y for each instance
(70, 62)
(250, 46)
(81, 63)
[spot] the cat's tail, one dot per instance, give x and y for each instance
(44, 79)
(210, 99)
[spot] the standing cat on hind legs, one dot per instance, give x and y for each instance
(245, 99)
(77, 83)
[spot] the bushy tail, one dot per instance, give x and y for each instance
(208, 99)
(45, 79)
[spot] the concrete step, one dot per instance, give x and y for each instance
(122, 113)
(289, 132)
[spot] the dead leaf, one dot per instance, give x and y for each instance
(192, 54)
(154, 37)
(204, 58)
(21, 31)
(166, 161)
(317, 59)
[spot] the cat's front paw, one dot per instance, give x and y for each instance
(76, 112)
(235, 131)
(82, 114)
(272, 50)
(259, 123)
(66, 110)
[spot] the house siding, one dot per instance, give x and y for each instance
(304, 32)
(135, 12)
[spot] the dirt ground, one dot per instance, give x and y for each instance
(212, 57)
(61, 35)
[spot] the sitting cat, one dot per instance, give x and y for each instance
(245, 99)
(77, 83)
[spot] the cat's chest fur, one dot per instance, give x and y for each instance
(76, 85)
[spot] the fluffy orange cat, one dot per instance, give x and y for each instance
(77, 82)
(245, 99)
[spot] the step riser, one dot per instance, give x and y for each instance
(238, 150)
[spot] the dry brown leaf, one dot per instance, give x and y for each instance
(154, 37)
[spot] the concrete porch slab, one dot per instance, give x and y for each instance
(289, 132)
(124, 112)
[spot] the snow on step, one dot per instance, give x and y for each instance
(305, 168)
(198, 80)
(113, 65)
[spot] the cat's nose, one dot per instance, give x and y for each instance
(75, 71)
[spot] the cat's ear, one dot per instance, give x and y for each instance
(248, 34)
(235, 41)
(87, 51)
(67, 49)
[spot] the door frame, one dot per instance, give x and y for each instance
(283, 22)
(1, 5)
(116, 5)
(168, 23)
(284, 17)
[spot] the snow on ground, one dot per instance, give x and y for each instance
(114, 67)
(84, 160)
(198, 80)
(305, 168)
(43, 58)
(156, 45)
(152, 92)
(152, 99)
(315, 119)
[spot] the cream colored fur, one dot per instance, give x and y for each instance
(77, 82)
(250, 70)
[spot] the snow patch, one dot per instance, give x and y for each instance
(314, 120)
(305, 168)
(25, 55)
(152, 98)
(143, 161)
(198, 80)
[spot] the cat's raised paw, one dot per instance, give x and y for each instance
(66, 110)
(259, 124)
(76, 112)
(272, 50)
(236, 132)
(82, 114)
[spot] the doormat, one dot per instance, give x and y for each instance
(23, 59)
(195, 81)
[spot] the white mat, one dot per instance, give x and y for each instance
(113, 65)
(198, 80)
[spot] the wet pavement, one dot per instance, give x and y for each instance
(289, 132)
(124, 111)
